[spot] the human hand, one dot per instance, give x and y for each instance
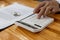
(46, 7)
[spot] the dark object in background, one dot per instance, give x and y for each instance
(42, 0)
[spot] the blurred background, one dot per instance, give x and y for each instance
(6, 2)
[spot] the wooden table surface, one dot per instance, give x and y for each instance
(52, 32)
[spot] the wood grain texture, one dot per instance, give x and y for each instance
(52, 32)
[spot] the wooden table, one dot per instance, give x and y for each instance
(52, 32)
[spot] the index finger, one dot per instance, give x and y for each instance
(37, 9)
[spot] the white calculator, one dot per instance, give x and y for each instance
(33, 24)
